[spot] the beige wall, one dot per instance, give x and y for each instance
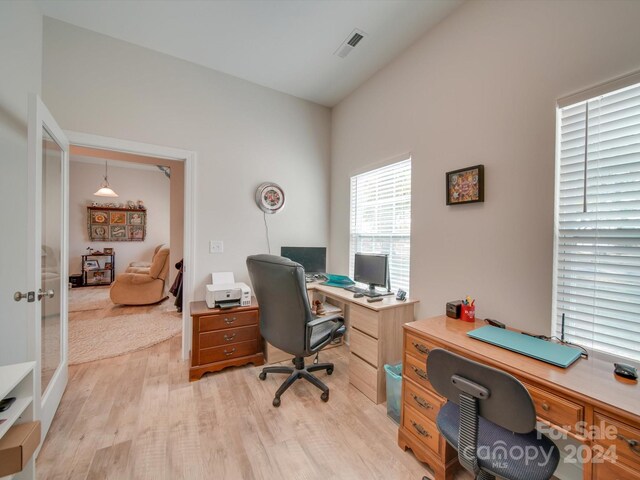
(21, 60)
(149, 185)
(481, 89)
(243, 134)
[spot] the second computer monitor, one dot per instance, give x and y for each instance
(371, 269)
(313, 259)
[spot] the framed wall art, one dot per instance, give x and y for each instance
(111, 224)
(465, 185)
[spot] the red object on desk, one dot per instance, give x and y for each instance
(468, 313)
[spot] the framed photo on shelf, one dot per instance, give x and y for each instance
(108, 265)
(465, 185)
(108, 251)
(91, 265)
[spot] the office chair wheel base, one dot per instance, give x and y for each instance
(276, 402)
(329, 371)
(324, 397)
(262, 376)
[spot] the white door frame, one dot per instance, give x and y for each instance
(189, 158)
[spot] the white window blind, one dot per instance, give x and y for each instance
(381, 218)
(597, 271)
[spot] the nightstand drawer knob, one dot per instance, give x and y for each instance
(231, 352)
(421, 373)
(634, 445)
(229, 321)
(421, 348)
(545, 406)
(228, 338)
(420, 429)
(421, 402)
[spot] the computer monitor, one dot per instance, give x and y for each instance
(372, 269)
(313, 259)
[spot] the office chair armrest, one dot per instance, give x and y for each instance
(319, 320)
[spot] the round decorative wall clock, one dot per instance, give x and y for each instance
(270, 197)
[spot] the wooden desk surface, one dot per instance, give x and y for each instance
(387, 302)
(591, 378)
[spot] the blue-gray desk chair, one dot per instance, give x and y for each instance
(286, 321)
(490, 419)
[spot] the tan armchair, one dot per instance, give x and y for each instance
(142, 286)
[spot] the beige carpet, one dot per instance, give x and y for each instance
(99, 329)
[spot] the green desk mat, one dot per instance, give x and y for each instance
(553, 353)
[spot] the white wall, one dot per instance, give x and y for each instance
(481, 89)
(21, 60)
(243, 134)
(147, 184)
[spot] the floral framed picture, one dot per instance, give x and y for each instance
(465, 185)
(116, 224)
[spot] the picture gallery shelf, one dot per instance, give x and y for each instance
(109, 224)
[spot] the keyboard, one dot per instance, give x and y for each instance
(365, 291)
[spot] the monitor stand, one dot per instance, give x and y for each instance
(372, 292)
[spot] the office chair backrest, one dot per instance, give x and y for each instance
(508, 403)
(280, 288)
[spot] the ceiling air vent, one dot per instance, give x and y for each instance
(350, 43)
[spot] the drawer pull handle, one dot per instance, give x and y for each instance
(545, 406)
(421, 348)
(421, 373)
(229, 321)
(228, 338)
(231, 352)
(420, 429)
(421, 401)
(634, 445)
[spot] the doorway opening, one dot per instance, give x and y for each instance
(155, 188)
(122, 252)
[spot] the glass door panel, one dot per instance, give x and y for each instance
(51, 256)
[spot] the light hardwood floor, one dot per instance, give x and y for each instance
(137, 417)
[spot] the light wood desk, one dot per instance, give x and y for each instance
(585, 400)
(374, 334)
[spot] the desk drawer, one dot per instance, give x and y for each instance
(217, 338)
(226, 352)
(364, 377)
(607, 470)
(556, 410)
(424, 401)
(422, 428)
(625, 438)
(416, 370)
(364, 346)
(418, 347)
(364, 319)
(228, 320)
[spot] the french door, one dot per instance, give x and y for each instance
(47, 262)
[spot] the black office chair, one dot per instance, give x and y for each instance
(286, 321)
(490, 419)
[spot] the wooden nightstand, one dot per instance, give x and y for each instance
(224, 338)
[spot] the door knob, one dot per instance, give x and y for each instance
(48, 293)
(30, 296)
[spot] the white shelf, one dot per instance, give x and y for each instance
(12, 375)
(14, 412)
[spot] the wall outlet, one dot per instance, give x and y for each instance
(216, 246)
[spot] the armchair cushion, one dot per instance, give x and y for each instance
(160, 265)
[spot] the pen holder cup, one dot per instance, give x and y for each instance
(468, 313)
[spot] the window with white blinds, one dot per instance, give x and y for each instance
(381, 218)
(597, 251)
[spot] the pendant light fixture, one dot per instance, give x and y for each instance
(105, 190)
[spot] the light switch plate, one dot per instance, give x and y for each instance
(216, 246)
